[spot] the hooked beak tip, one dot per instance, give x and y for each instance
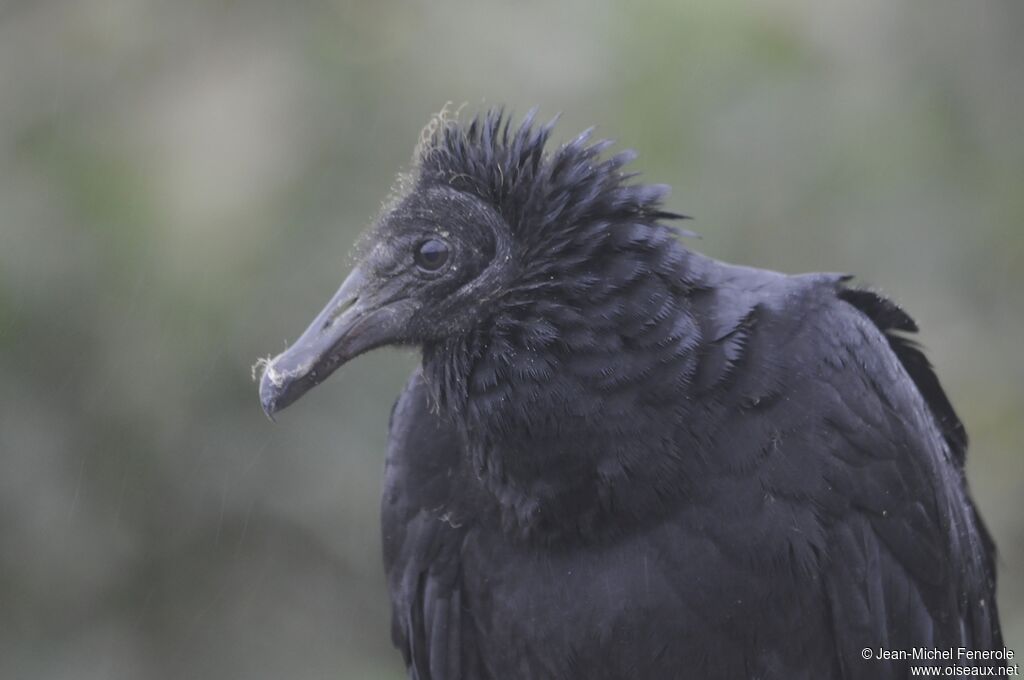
(268, 395)
(286, 378)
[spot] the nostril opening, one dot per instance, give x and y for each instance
(338, 311)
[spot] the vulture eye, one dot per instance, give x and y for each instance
(431, 255)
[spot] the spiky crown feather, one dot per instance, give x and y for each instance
(552, 201)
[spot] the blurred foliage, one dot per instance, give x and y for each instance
(180, 187)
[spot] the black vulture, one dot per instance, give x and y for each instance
(620, 458)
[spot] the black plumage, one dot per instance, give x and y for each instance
(623, 459)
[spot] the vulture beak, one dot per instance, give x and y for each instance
(351, 323)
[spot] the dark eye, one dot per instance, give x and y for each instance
(431, 255)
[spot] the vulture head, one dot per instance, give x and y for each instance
(492, 241)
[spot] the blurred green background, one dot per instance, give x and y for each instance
(180, 186)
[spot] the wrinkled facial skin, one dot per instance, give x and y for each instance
(425, 271)
(470, 230)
